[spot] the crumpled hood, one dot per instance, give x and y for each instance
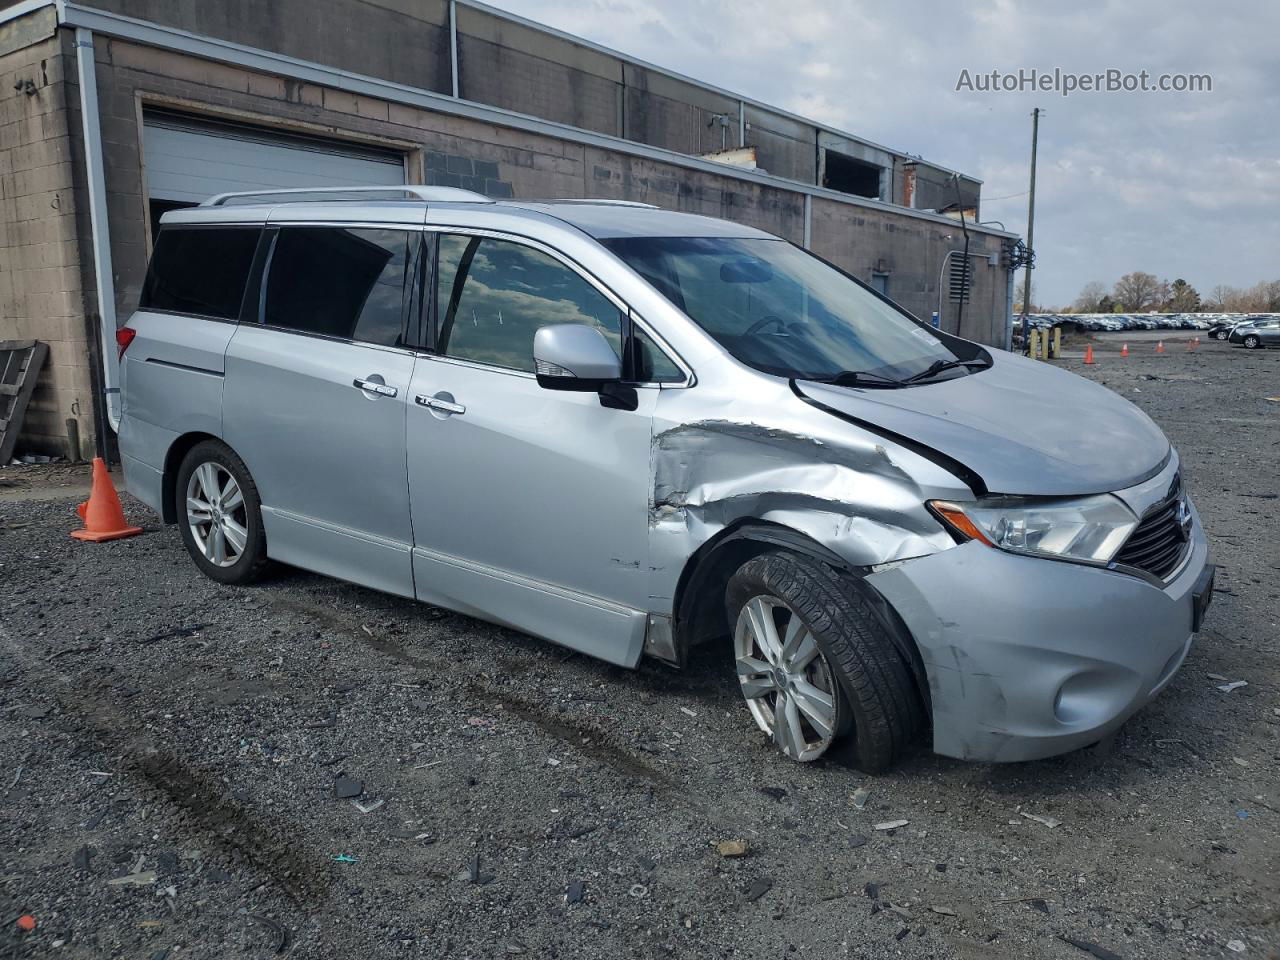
(1023, 426)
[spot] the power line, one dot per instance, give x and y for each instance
(1010, 196)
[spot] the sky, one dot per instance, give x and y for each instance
(1179, 184)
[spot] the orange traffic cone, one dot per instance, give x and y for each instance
(102, 514)
(1124, 351)
(1088, 355)
(1160, 346)
(1191, 345)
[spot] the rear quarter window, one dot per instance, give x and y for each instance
(200, 270)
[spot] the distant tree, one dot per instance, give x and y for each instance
(1106, 304)
(1139, 291)
(1263, 297)
(1162, 295)
(1183, 298)
(1090, 296)
(1267, 296)
(1219, 297)
(1017, 304)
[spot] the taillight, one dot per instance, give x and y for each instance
(124, 337)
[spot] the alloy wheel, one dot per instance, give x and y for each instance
(789, 686)
(1251, 342)
(216, 514)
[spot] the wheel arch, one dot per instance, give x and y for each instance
(699, 601)
(172, 461)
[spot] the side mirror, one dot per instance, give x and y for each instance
(574, 356)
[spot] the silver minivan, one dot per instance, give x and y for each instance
(632, 431)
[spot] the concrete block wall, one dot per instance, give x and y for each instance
(508, 65)
(617, 176)
(504, 162)
(665, 112)
(41, 289)
(46, 281)
(935, 189)
(911, 252)
(405, 41)
(468, 173)
(456, 151)
(518, 67)
(784, 147)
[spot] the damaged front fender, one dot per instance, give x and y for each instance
(779, 461)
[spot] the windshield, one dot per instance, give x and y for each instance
(781, 310)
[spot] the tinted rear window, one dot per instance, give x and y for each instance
(201, 270)
(351, 283)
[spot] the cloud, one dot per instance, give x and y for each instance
(1178, 184)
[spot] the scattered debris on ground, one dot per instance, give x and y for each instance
(172, 752)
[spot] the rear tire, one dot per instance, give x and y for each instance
(877, 707)
(1252, 342)
(220, 514)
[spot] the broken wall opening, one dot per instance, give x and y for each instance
(851, 175)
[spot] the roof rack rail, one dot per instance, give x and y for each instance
(601, 201)
(300, 194)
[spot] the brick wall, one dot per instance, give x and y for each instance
(41, 288)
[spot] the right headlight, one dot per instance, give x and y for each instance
(1087, 529)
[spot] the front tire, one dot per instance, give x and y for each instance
(1252, 342)
(817, 666)
(220, 514)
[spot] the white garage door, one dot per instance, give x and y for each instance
(187, 161)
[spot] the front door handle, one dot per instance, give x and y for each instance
(443, 402)
(371, 385)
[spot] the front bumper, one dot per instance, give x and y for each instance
(1027, 657)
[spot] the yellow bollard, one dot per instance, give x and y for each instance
(1057, 342)
(1033, 344)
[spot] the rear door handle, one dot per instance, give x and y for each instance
(373, 386)
(440, 403)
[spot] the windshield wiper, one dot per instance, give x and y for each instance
(941, 366)
(860, 378)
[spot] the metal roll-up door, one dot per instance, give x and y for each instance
(188, 160)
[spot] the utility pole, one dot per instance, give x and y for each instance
(1031, 223)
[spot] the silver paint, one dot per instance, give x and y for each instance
(1002, 636)
(326, 455)
(575, 351)
(774, 458)
(1021, 425)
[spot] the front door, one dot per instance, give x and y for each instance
(530, 506)
(315, 397)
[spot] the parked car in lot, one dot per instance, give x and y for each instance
(1221, 329)
(1256, 333)
(632, 431)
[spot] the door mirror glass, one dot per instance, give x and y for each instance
(574, 356)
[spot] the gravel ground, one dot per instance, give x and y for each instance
(170, 749)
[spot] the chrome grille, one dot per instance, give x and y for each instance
(1158, 544)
